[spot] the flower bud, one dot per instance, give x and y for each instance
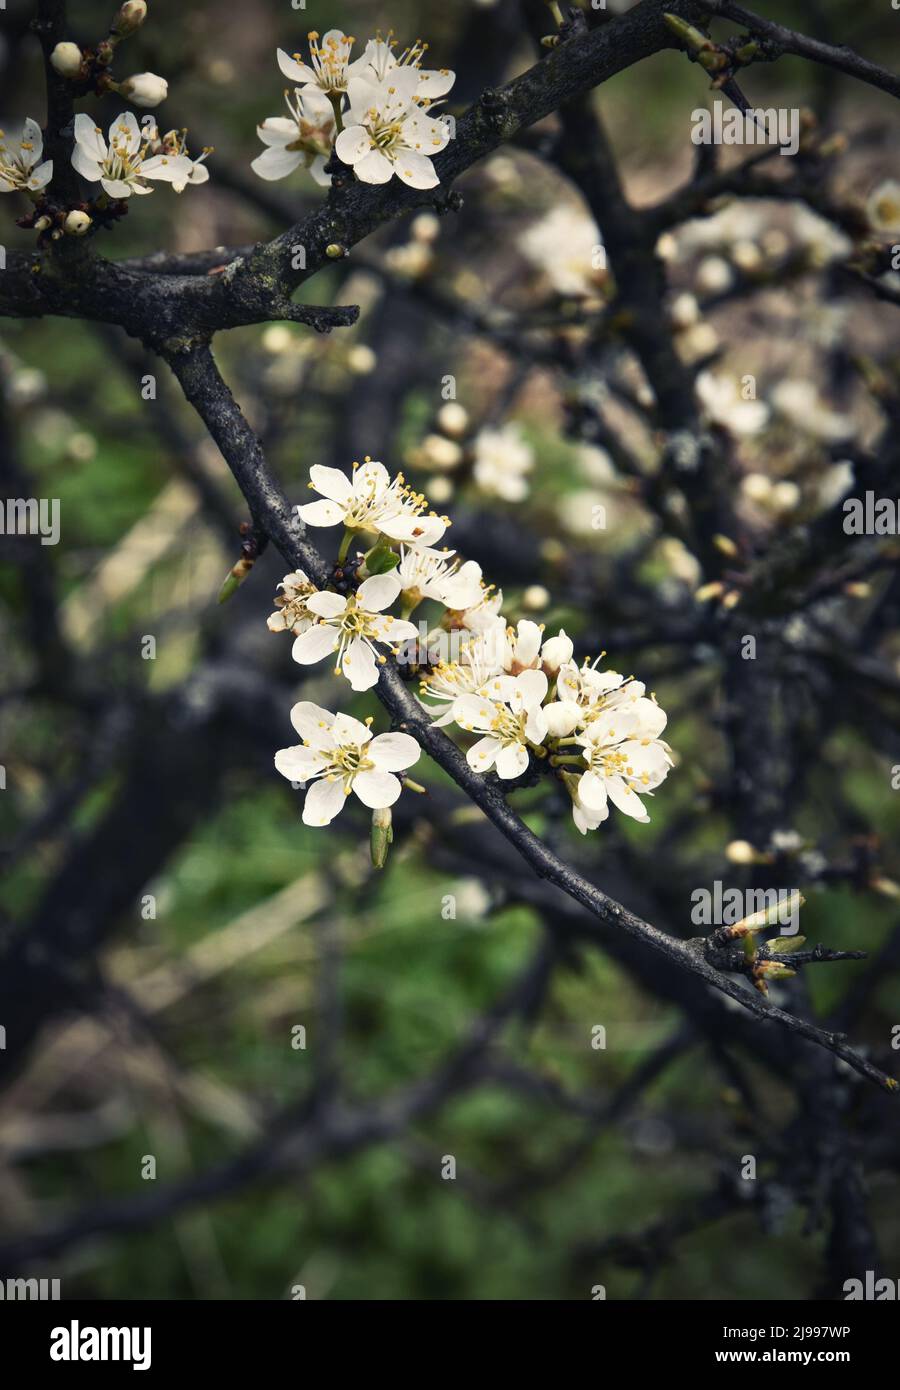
(562, 717)
(42, 223)
(130, 17)
(77, 223)
(741, 852)
(145, 89)
(66, 59)
(453, 419)
(536, 598)
(382, 835)
(555, 651)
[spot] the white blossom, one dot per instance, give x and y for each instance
(174, 144)
(291, 613)
(353, 627)
(478, 663)
(503, 458)
(883, 206)
(524, 649)
(371, 501)
(386, 132)
(339, 755)
(510, 716)
(567, 247)
(20, 166)
(722, 400)
(799, 401)
(428, 573)
(329, 63)
(624, 756)
(484, 615)
(592, 692)
(123, 166)
(380, 62)
(304, 137)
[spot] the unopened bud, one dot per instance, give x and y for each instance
(130, 17)
(42, 223)
(783, 945)
(772, 915)
(381, 836)
(145, 89)
(77, 223)
(236, 578)
(555, 651)
(767, 970)
(741, 852)
(687, 33)
(562, 718)
(334, 251)
(453, 419)
(66, 59)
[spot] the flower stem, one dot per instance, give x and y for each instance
(345, 545)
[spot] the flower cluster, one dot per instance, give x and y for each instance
(518, 690)
(127, 160)
(373, 110)
(133, 155)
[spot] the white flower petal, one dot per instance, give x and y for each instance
(374, 168)
(326, 604)
(323, 513)
(300, 73)
(277, 130)
(625, 799)
(376, 788)
(89, 136)
(87, 167)
(512, 760)
(274, 164)
(314, 644)
(323, 802)
(331, 483)
(414, 169)
(482, 754)
(298, 764)
(379, 592)
(394, 752)
(313, 723)
(531, 687)
(359, 665)
(349, 732)
(353, 144)
(117, 189)
(592, 792)
(473, 712)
